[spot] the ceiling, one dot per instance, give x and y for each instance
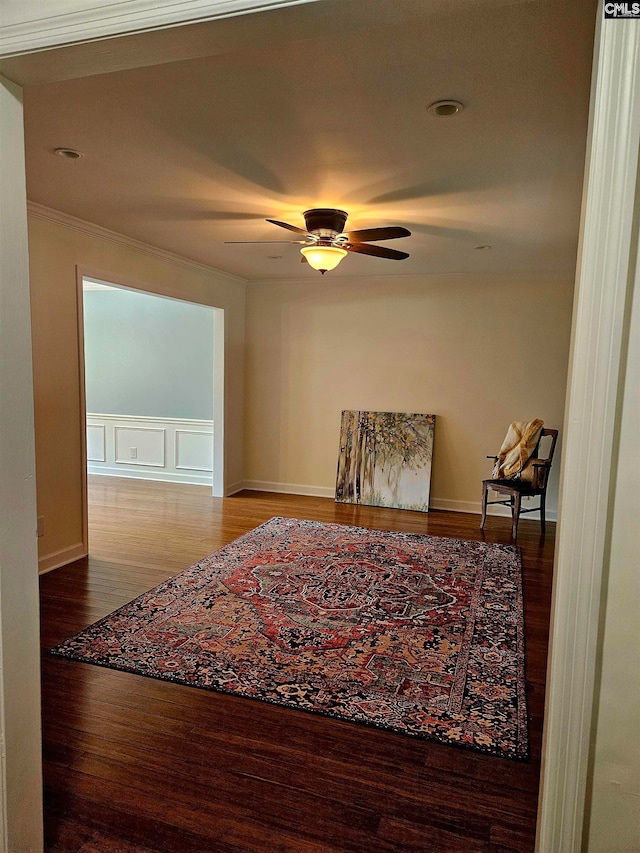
(224, 124)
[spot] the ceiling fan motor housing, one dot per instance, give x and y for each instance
(325, 221)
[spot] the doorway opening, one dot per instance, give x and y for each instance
(151, 386)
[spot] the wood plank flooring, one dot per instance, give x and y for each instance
(135, 765)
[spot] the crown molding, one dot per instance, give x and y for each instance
(545, 275)
(59, 26)
(49, 214)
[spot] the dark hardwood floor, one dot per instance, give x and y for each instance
(137, 765)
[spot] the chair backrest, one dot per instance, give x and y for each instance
(543, 472)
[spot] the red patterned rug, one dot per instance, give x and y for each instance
(416, 634)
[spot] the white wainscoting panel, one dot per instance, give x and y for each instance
(194, 450)
(139, 444)
(96, 449)
(174, 450)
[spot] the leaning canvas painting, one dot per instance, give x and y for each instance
(385, 459)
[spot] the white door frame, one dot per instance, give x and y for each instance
(597, 349)
(20, 735)
(604, 282)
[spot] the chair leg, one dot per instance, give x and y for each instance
(543, 521)
(485, 495)
(515, 515)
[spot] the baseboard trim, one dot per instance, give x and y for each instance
(475, 508)
(61, 558)
(289, 488)
(472, 507)
(148, 474)
(234, 488)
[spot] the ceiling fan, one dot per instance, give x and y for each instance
(326, 243)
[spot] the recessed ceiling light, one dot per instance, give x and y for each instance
(68, 153)
(484, 246)
(445, 109)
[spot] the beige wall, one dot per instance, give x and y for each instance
(54, 252)
(615, 784)
(476, 351)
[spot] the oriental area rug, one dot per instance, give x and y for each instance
(412, 633)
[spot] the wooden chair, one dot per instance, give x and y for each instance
(518, 489)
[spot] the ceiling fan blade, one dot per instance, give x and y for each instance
(390, 233)
(286, 225)
(376, 251)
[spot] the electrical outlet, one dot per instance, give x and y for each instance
(133, 453)
(40, 526)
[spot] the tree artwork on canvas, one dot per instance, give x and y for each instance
(385, 459)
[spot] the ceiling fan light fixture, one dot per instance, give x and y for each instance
(323, 258)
